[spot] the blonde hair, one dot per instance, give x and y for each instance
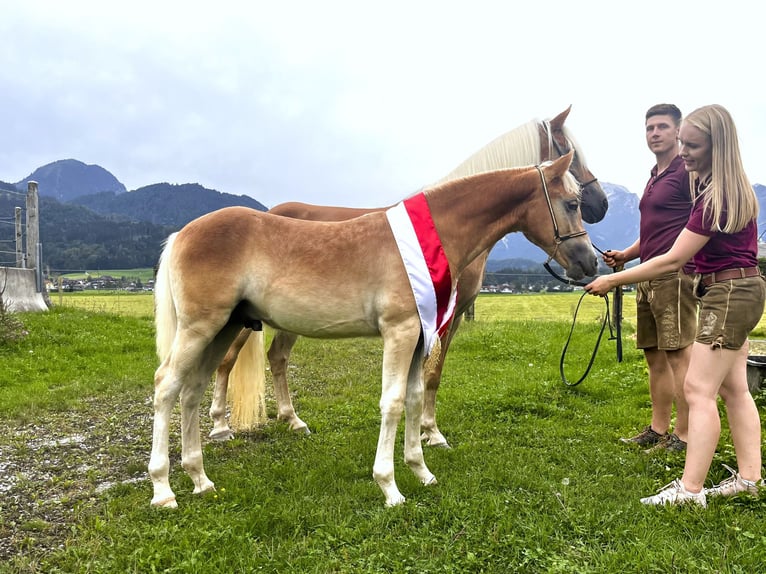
(729, 192)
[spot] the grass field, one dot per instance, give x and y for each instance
(535, 481)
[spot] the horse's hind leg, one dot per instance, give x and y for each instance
(221, 429)
(191, 445)
(166, 389)
(279, 354)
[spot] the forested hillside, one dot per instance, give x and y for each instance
(164, 203)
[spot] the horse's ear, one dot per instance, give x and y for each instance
(557, 123)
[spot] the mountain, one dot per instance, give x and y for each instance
(89, 221)
(69, 178)
(164, 203)
(618, 229)
(100, 225)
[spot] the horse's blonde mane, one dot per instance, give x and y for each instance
(516, 148)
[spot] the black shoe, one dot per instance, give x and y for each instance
(647, 437)
(671, 443)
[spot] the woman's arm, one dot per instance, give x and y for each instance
(687, 244)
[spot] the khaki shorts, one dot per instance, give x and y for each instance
(729, 310)
(666, 312)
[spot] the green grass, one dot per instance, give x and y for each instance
(536, 480)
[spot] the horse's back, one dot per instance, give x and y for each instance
(307, 211)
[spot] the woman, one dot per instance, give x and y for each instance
(721, 237)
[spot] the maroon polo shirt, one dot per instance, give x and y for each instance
(665, 207)
(723, 250)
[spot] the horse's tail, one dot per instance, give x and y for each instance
(165, 319)
(247, 385)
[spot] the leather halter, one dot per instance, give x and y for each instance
(558, 239)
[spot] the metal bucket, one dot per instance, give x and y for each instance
(756, 372)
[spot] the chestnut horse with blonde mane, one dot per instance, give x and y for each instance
(241, 372)
(240, 267)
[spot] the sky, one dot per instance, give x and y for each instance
(359, 103)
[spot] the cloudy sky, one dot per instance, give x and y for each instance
(358, 103)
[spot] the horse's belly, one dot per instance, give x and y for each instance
(324, 329)
(321, 317)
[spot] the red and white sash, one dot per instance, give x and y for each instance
(426, 264)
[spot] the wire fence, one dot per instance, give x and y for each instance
(15, 235)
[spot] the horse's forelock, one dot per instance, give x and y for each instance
(571, 184)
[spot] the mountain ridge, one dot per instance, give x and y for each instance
(104, 224)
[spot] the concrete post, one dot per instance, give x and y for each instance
(33, 225)
(19, 240)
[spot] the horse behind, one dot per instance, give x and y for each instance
(326, 282)
(240, 371)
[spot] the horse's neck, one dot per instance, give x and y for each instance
(472, 217)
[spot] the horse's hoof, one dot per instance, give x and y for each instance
(221, 435)
(430, 481)
(169, 502)
(303, 430)
(396, 501)
(206, 487)
(436, 441)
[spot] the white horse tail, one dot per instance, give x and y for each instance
(165, 319)
(247, 385)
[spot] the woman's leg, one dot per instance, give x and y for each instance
(708, 368)
(742, 414)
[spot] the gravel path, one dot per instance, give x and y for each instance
(51, 466)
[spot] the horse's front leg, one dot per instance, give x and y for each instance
(398, 351)
(432, 379)
(413, 447)
(221, 429)
(279, 355)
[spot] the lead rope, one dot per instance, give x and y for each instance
(604, 323)
(613, 335)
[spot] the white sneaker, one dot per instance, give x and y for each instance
(734, 485)
(676, 493)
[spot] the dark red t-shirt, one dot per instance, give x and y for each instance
(665, 207)
(723, 250)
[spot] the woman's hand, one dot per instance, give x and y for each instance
(600, 286)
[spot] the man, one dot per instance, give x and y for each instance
(666, 307)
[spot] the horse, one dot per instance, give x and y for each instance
(239, 267)
(239, 372)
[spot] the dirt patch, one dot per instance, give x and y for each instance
(50, 467)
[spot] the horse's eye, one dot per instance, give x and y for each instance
(573, 205)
